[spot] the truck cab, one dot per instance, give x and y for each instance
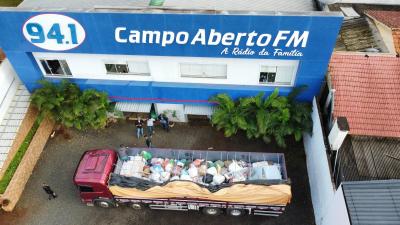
(92, 175)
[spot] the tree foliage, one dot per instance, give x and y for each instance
(274, 117)
(70, 106)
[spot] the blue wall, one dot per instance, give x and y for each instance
(100, 39)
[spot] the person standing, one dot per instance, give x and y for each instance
(148, 141)
(150, 126)
(139, 127)
(49, 191)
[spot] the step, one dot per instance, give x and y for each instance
(8, 122)
(3, 157)
(22, 98)
(6, 142)
(8, 129)
(10, 135)
(18, 110)
(19, 104)
(4, 150)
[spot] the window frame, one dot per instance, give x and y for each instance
(275, 83)
(203, 76)
(56, 75)
(127, 66)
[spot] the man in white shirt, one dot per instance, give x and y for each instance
(150, 123)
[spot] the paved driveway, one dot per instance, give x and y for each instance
(60, 157)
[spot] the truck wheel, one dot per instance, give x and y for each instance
(104, 203)
(211, 211)
(136, 206)
(235, 212)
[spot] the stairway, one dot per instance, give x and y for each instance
(12, 120)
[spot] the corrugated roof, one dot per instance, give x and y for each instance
(355, 35)
(133, 107)
(373, 202)
(367, 93)
(389, 18)
(199, 110)
(225, 5)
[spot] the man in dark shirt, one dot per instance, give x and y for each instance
(49, 191)
(139, 127)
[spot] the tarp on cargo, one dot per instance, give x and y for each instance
(241, 193)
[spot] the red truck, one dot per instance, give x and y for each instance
(214, 182)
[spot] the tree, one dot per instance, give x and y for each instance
(229, 115)
(47, 99)
(71, 107)
(274, 117)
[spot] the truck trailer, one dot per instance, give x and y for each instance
(213, 182)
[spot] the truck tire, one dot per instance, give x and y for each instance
(104, 203)
(235, 212)
(211, 211)
(135, 206)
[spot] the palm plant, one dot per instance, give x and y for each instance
(229, 115)
(274, 117)
(71, 107)
(47, 99)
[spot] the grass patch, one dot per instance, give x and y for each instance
(18, 157)
(9, 3)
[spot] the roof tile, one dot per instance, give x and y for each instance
(389, 18)
(367, 93)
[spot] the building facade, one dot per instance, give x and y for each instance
(174, 59)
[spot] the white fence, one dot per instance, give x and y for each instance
(322, 189)
(8, 86)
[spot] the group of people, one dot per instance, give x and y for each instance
(150, 127)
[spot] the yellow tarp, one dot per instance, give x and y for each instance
(244, 193)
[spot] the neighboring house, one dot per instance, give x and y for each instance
(388, 23)
(362, 112)
(175, 56)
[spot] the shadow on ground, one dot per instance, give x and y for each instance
(60, 158)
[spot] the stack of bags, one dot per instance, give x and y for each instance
(200, 171)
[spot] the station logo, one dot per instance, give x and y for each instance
(54, 32)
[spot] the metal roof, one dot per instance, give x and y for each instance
(199, 110)
(373, 202)
(133, 107)
(218, 5)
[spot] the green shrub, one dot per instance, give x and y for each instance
(70, 106)
(274, 117)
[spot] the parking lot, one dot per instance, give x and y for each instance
(60, 158)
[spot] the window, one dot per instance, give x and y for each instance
(193, 70)
(268, 74)
(117, 68)
(55, 67)
(277, 75)
(136, 68)
(85, 189)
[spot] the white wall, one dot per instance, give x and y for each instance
(386, 34)
(178, 108)
(166, 69)
(8, 86)
(337, 211)
(321, 187)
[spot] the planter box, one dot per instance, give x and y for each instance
(14, 190)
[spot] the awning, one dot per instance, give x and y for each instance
(133, 107)
(199, 110)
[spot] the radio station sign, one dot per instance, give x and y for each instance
(196, 35)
